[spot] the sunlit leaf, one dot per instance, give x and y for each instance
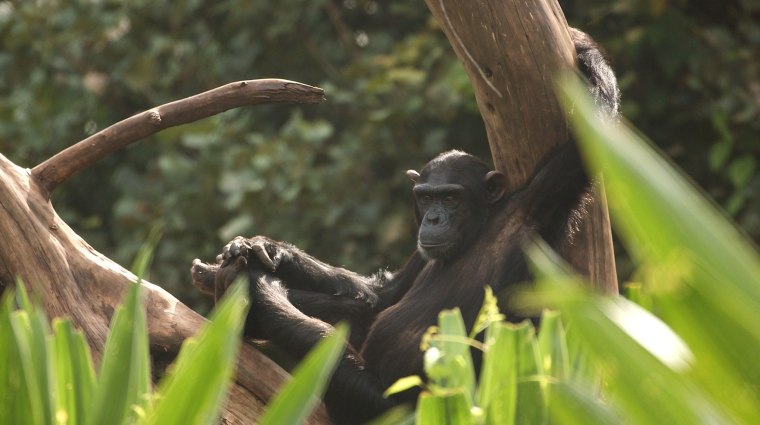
(708, 289)
(295, 401)
(194, 389)
(403, 384)
(124, 379)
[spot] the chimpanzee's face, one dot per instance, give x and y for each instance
(453, 196)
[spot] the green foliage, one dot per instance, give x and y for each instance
(518, 366)
(685, 359)
(517, 369)
(689, 364)
(124, 378)
(190, 393)
(48, 376)
(297, 398)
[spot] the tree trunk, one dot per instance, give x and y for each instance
(512, 51)
(74, 280)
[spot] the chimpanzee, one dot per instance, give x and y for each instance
(462, 209)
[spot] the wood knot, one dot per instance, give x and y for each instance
(243, 83)
(53, 227)
(154, 117)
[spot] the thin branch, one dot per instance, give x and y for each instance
(76, 158)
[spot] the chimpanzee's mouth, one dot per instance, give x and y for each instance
(429, 245)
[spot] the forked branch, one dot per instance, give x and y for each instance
(76, 158)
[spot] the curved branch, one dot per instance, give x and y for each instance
(76, 158)
(72, 279)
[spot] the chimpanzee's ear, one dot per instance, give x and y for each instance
(415, 176)
(496, 186)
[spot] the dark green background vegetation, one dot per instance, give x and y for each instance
(329, 178)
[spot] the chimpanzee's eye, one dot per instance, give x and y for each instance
(450, 200)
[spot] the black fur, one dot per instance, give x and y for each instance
(295, 305)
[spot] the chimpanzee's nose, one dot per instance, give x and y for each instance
(433, 218)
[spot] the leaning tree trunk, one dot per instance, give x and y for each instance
(512, 51)
(74, 280)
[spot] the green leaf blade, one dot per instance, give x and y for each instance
(704, 274)
(455, 366)
(444, 409)
(552, 344)
(295, 401)
(74, 374)
(497, 392)
(29, 329)
(193, 392)
(124, 380)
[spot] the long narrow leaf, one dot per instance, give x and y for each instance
(453, 342)
(144, 257)
(74, 374)
(573, 405)
(124, 380)
(399, 415)
(18, 383)
(703, 274)
(9, 368)
(553, 346)
(531, 399)
(192, 394)
(660, 211)
(444, 409)
(295, 401)
(642, 359)
(29, 328)
(497, 392)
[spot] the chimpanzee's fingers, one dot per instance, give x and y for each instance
(226, 251)
(263, 256)
(227, 274)
(234, 247)
(204, 276)
(277, 259)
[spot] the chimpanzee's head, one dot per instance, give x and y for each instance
(454, 195)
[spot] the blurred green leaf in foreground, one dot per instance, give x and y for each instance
(689, 357)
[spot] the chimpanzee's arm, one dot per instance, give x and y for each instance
(354, 395)
(302, 271)
(556, 196)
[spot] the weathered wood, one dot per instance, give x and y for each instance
(512, 51)
(592, 253)
(72, 279)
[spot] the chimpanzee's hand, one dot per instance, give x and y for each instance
(261, 249)
(226, 275)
